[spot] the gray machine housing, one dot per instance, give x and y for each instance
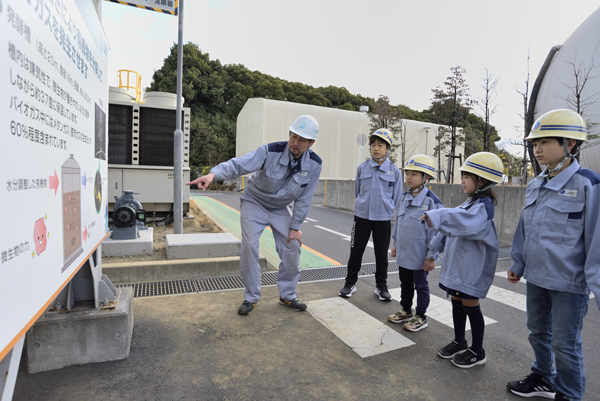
(128, 217)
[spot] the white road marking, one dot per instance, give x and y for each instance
(440, 309)
(360, 331)
(344, 236)
(507, 297)
(311, 220)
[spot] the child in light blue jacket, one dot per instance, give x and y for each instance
(470, 244)
(555, 248)
(378, 187)
(410, 239)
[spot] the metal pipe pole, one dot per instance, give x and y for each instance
(178, 137)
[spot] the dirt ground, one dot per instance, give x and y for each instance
(199, 224)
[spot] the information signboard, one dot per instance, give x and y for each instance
(164, 6)
(53, 165)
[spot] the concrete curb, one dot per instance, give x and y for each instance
(159, 270)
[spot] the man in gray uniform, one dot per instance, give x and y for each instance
(286, 172)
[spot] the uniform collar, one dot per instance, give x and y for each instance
(418, 201)
(286, 157)
(558, 181)
(385, 166)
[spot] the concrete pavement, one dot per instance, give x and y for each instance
(196, 347)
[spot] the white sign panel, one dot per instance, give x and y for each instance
(165, 6)
(53, 146)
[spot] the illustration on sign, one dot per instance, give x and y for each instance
(71, 193)
(39, 236)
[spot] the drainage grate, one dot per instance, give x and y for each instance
(195, 285)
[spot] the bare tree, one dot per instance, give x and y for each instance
(384, 115)
(526, 128)
(486, 105)
(450, 107)
(578, 99)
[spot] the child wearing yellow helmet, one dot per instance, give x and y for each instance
(410, 241)
(555, 249)
(378, 187)
(467, 236)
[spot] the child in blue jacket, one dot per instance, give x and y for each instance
(555, 248)
(378, 187)
(410, 239)
(470, 244)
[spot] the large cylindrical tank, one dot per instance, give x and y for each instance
(579, 55)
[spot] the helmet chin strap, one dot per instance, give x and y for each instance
(560, 165)
(383, 158)
(478, 190)
(426, 179)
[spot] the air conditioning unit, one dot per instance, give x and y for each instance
(140, 150)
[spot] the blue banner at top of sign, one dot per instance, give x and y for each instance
(161, 6)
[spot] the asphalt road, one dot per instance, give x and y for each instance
(196, 346)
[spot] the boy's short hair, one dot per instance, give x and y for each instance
(375, 138)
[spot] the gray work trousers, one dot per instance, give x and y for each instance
(253, 220)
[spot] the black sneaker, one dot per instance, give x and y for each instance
(533, 385)
(452, 349)
(295, 304)
(468, 359)
(383, 293)
(246, 308)
(347, 292)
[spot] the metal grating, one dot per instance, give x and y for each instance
(119, 134)
(196, 285)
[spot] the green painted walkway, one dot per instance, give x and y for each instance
(230, 218)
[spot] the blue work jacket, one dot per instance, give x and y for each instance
(410, 236)
(470, 244)
(274, 184)
(377, 190)
(557, 242)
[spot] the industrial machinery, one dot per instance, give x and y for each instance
(128, 217)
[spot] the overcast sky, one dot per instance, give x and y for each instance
(401, 49)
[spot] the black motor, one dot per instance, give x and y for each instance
(128, 216)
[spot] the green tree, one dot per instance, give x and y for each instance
(450, 107)
(217, 93)
(384, 115)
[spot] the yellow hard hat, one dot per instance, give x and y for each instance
(560, 123)
(422, 163)
(484, 164)
(384, 134)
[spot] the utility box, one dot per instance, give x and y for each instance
(140, 149)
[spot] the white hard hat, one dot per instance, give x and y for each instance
(306, 126)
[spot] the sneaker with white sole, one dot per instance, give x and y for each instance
(416, 323)
(383, 294)
(468, 359)
(451, 349)
(347, 291)
(534, 385)
(400, 316)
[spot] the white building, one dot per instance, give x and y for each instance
(263, 121)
